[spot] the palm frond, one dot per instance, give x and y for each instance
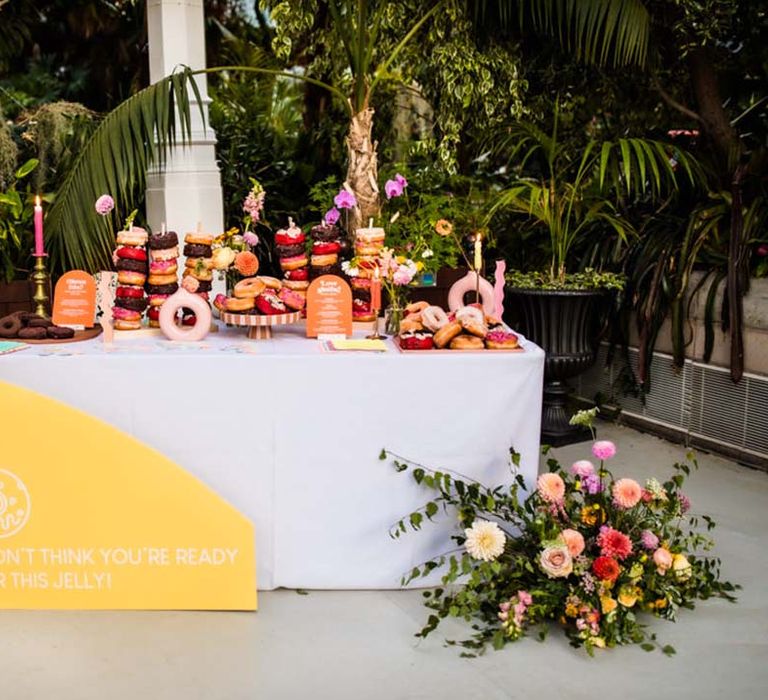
(134, 136)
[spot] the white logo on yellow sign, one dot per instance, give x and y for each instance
(14, 504)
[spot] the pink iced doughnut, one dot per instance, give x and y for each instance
(162, 267)
(182, 299)
(468, 284)
(434, 318)
(119, 313)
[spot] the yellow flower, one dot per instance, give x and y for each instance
(660, 603)
(681, 567)
(223, 258)
(571, 610)
(628, 596)
(443, 227)
(588, 516)
(607, 604)
(598, 642)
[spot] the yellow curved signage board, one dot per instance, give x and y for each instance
(90, 518)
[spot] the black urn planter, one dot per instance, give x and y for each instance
(566, 325)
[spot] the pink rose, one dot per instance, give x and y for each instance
(556, 561)
(583, 468)
(604, 449)
(574, 541)
(663, 560)
(551, 487)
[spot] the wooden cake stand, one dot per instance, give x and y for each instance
(260, 327)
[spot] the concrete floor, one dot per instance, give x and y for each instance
(360, 645)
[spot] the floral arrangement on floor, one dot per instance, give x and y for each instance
(584, 550)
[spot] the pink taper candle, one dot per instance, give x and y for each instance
(39, 250)
(376, 291)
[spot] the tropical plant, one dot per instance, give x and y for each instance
(571, 197)
(16, 212)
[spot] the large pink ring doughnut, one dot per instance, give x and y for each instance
(183, 299)
(468, 284)
(434, 318)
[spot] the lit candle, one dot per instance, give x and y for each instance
(478, 252)
(39, 250)
(376, 291)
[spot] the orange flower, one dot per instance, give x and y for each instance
(443, 227)
(551, 487)
(627, 493)
(246, 263)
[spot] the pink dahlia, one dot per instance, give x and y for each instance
(583, 468)
(604, 449)
(649, 540)
(627, 493)
(613, 543)
(551, 488)
(104, 204)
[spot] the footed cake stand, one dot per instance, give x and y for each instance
(260, 327)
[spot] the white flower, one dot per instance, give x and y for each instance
(485, 540)
(427, 253)
(350, 271)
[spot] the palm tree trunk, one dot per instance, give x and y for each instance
(362, 172)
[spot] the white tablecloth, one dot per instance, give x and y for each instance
(290, 434)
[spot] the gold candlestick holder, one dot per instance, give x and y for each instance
(40, 279)
(376, 335)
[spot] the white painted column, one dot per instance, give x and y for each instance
(188, 190)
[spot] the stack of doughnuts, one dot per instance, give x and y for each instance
(163, 272)
(263, 295)
(290, 245)
(131, 264)
(326, 247)
(368, 245)
(25, 325)
(199, 265)
(468, 328)
(362, 311)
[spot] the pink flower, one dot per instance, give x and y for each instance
(524, 597)
(332, 216)
(400, 180)
(402, 276)
(762, 250)
(251, 238)
(551, 487)
(627, 493)
(604, 449)
(253, 204)
(574, 541)
(104, 204)
(393, 188)
(663, 559)
(613, 543)
(345, 200)
(583, 468)
(649, 540)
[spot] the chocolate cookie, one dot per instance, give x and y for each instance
(39, 322)
(163, 288)
(131, 303)
(325, 233)
(33, 333)
(132, 265)
(204, 285)
(196, 250)
(60, 332)
(287, 251)
(161, 241)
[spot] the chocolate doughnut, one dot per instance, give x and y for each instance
(204, 285)
(325, 233)
(364, 294)
(160, 241)
(60, 332)
(196, 250)
(132, 265)
(326, 270)
(39, 322)
(163, 288)
(287, 251)
(33, 333)
(132, 303)
(10, 326)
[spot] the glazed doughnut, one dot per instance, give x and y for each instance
(10, 326)
(157, 280)
(191, 304)
(205, 263)
(323, 260)
(131, 253)
(294, 262)
(300, 274)
(291, 299)
(325, 247)
(501, 340)
(370, 235)
(416, 307)
(219, 301)
(249, 288)
(157, 299)
(491, 321)
(467, 342)
(198, 239)
(367, 250)
(234, 304)
(135, 236)
(131, 278)
(125, 314)
(447, 333)
(164, 254)
(163, 267)
(434, 318)
(199, 274)
(292, 236)
(272, 282)
(296, 285)
(477, 329)
(471, 313)
(410, 324)
(129, 292)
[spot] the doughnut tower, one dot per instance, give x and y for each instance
(368, 245)
(163, 272)
(131, 264)
(290, 246)
(199, 264)
(326, 246)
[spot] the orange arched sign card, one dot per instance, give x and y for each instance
(329, 307)
(74, 301)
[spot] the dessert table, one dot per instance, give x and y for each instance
(290, 434)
